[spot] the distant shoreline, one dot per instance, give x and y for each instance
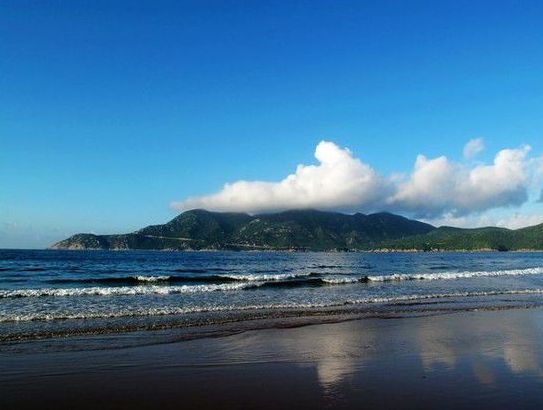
(483, 250)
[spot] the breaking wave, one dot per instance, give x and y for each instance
(166, 279)
(140, 279)
(120, 290)
(454, 275)
(145, 285)
(162, 311)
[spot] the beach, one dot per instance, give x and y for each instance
(257, 330)
(469, 359)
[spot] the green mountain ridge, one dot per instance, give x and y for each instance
(489, 238)
(307, 230)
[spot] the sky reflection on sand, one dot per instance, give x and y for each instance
(514, 343)
(336, 353)
(483, 348)
(482, 359)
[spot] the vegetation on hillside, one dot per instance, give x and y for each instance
(308, 230)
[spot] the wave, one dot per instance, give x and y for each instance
(203, 270)
(166, 279)
(120, 290)
(341, 281)
(269, 277)
(164, 284)
(363, 266)
(311, 282)
(152, 278)
(439, 267)
(228, 283)
(293, 283)
(140, 279)
(454, 275)
(268, 270)
(408, 298)
(162, 311)
(327, 266)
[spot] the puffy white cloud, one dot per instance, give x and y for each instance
(436, 187)
(339, 181)
(473, 147)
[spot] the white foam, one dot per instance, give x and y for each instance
(151, 278)
(121, 290)
(340, 281)
(405, 298)
(162, 311)
(455, 275)
(267, 277)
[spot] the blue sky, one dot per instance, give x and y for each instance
(109, 112)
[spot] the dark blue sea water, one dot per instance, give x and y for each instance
(48, 291)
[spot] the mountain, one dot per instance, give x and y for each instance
(490, 238)
(307, 230)
(290, 230)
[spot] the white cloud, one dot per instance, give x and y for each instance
(436, 187)
(339, 181)
(518, 220)
(439, 186)
(473, 147)
(514, 221)
(466, 221)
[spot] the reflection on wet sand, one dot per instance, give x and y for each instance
(484, 374)
(337, 355)
(479, 346)
(514, 343)
(335, 352)
(485, 359)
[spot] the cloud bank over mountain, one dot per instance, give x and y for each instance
(438, 186)
(340, 181)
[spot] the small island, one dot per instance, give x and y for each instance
(308, 230)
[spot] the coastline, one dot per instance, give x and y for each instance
(266, 250)
(469, 359)
(163, 328)
(308, 230)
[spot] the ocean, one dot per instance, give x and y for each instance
(51, 293)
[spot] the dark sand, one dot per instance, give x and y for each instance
(484, 359)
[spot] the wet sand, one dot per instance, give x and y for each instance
(482, 359)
